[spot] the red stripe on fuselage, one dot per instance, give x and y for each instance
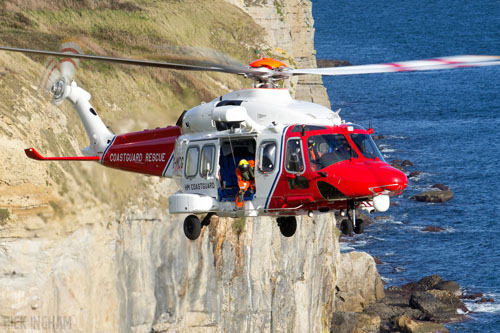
(144, 152)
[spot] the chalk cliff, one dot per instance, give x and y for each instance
(84, 248)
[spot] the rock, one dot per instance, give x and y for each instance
(432, 228)
(407, 163)
(485, 300)
(433, 308)
(322, 63)
(472, 296)
(442, 187)
(449, 298)
(387, 312)
(377, 260)
(407, 325)
(433, 196)
(358, 282)
(348, 322)
(367, 220)
(426, 283)
(450, 286)
(414, 174)
(397, 165)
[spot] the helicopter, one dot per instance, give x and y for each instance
(307, 160)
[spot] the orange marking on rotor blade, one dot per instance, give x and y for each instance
(69, 50)
(49, 63)
(455, 64)
(48, 77)
(71, 61)
(398, 67)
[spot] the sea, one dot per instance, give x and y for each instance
(447, 123)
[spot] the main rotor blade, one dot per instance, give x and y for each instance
(136, 62)
(461, 61)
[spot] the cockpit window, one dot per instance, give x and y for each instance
(366, 146)
(328, 149)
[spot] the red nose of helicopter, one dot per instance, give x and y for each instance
(364, 179)
(389, 179)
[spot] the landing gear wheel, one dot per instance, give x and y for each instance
(346, 226)
(192, 227)
(288, 225)
(360, 226)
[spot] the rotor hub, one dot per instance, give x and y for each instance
(58, 89)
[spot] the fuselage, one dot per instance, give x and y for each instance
(306, 158)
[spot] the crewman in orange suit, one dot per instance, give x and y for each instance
(246, 179)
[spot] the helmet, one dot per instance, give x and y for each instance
(243, 165)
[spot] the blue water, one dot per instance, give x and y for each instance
(445, 122)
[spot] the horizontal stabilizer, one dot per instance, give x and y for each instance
(32, 153)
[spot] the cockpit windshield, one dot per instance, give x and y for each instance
(366, 146)
(325, 150)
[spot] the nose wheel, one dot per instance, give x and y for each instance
(288, 225)
(351, 223)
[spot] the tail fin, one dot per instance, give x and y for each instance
(98, 133)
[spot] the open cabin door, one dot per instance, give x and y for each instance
(232, 151)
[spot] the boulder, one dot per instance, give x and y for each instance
(433, 228)
(450, 286)
(433, 308)
(485, 300)
(426, 283)
(472, 296)
(449, 298)
(348, 322)
(358, 282)
(377, 260)
(407, 163)
(397, 165)
(414, 174)
(407, 325)
(433, 196)
(442, 187)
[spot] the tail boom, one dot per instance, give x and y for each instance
(149, 152)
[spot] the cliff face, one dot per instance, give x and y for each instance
(84, 248)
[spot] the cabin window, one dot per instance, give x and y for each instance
(267, 156)
(207, 160)
(294, 161)
(191, 167)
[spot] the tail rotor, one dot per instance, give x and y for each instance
(58, 74)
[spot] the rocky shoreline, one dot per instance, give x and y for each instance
(421, 306)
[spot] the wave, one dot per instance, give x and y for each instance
(490, 307)
(344, 247)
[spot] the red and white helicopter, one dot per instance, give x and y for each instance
(307, 159)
